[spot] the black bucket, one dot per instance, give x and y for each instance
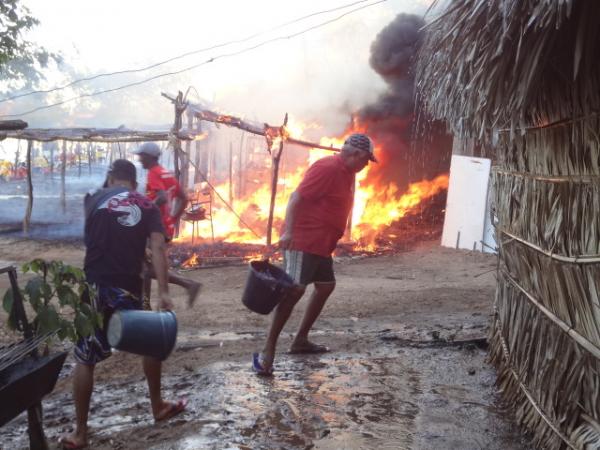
(265, 287)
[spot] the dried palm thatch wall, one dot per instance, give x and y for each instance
(523, 78)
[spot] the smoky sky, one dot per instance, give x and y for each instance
(408, 155)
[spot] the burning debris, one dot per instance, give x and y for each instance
(385, 193)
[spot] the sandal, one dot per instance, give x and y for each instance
(261, 366)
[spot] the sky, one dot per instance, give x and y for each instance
(320, 76)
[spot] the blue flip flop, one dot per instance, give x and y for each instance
(258, 365)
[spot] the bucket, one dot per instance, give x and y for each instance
(265, 287)
(147, 333)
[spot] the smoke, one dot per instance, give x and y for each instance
(408, 154)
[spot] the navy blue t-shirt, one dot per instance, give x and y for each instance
(118, 224)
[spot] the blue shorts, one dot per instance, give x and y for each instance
(95, 348)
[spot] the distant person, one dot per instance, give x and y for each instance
(118, 224)
(316, 218)
(164, 190)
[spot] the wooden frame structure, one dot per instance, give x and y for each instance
(275, 138)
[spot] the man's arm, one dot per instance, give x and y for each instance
(180, 203)
(161, 198)
(161, 267)
(290, 216)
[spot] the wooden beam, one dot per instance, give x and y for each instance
(11, 125)
(260, 130)
(63, 168)
(27, 218)
(274, 179)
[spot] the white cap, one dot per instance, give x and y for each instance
(148, 148)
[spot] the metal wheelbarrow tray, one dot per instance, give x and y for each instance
(24, 383)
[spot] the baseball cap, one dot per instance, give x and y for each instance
(362, 142)
(149, 148)
(122, 170)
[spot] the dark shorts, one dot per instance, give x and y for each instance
(306, 268)
(95, 348)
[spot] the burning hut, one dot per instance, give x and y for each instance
(522, 79)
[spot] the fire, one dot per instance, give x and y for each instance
(376, 205)
(191, 262)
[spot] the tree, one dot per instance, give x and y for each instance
(20, 60)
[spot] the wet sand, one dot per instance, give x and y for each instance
(407, 368)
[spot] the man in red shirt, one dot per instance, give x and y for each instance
(166, 193)
(316, 218)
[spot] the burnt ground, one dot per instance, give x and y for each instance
(407, 368)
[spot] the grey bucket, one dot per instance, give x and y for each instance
(147, 333)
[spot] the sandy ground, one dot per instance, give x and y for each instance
(407, 368)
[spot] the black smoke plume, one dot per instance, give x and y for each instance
(408, 155)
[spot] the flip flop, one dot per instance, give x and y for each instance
(259, 366)
(308, 348)
(175, 409)
(67, 443)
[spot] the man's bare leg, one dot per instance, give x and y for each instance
(161, 409)
(315, 305)
(83, 384)
(192, 287)
(280, 318)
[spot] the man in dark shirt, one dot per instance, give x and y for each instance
(315, 220)
(118, 224)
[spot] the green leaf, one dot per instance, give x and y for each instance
(83, 325)
(7, 301)
(66, 296)
(62, 333)
(48, 319)
(86, 309)
(33, 291)
(36, 265)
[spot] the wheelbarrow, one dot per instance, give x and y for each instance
(26, 377)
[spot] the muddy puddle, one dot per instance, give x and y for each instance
(395, 397)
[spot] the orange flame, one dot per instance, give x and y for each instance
(376, 204)
(191, 262)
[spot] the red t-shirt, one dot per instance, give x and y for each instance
(160, 179)
(326, 195)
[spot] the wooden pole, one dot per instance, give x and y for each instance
(89, 152)
(230, 173)
(179, 106)
(17, 154)
(63, 168)
(52, 145)
(240, 189)
(197, 173)
(78, 153)
(274, 179)
(187, 156)
(27, 219)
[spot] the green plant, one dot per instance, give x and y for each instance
(55, 295)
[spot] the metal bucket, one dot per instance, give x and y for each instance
(265, 287)
(146, 333)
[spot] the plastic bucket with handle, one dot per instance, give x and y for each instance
(265, 287)
(147, 333)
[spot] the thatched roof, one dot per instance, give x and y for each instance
(523, 76)
(510, 64)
